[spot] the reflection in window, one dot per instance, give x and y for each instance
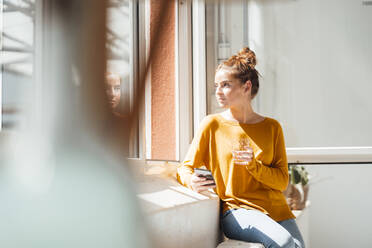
(17, 55)
(121, 54)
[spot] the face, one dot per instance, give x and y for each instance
(113, 90)
(230, 92)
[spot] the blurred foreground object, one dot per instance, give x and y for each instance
(63, 179)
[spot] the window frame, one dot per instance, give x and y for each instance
(183, 81)
(142, 42)
(137, 63)
(199, 63)
(183, 78)
(135, 140)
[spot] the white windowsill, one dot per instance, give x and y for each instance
(329, 155)
(158, 189)
(159, 194)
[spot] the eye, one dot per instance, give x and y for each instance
(226, 84)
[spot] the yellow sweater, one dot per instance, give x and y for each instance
(258, 185)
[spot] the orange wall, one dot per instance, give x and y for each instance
(163, 112)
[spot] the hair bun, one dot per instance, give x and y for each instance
(249, 56)
(243, 66)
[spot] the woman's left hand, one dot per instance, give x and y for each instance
(243, 157)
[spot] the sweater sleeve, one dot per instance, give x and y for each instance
(276, 175)
(197, 154)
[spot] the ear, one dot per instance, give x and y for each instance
(248, 86)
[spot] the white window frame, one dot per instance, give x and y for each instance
(183, 78)
(199, 62)
(145, 108)
(295, 155)
(143, 37)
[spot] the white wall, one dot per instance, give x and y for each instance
(341, 203)
(315, 58)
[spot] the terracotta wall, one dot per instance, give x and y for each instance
(163, 112)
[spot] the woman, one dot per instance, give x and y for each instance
(250, 183)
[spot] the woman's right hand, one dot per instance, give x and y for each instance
(200, 184)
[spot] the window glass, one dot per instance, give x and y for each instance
(119, 42)
(17, 58)
(121, 60)
(314, 57)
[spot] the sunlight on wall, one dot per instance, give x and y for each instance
(255, 27)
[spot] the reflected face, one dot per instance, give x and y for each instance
(113, 90)
(230, 92)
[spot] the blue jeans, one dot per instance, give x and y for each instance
(256, 227)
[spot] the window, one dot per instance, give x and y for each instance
(226, 33)
(314, 65)
(23, 31)
(122, 55)
(17, 55)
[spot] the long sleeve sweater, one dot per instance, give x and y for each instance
(258, 185)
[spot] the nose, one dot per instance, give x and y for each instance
(218, 90)
(110, 91)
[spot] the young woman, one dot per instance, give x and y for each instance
(246, 154)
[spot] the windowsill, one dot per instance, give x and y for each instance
(176, 216)
(326, 155)
(298, 213)
(158, 194)
(158, 189)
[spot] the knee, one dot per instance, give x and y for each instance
(299, 243)
(286, 241)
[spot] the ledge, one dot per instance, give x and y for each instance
(326, 155)
(176, 215)
(159, 190)
(298, 213)
(158, 194)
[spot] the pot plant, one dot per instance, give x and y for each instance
(298, 187)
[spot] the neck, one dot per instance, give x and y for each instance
(243, 114)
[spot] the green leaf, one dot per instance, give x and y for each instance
(295, 175)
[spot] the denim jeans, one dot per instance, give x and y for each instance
(256, 227)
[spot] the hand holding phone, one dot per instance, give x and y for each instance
(203, 173)
(202, 180)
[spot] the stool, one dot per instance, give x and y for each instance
(232, 243)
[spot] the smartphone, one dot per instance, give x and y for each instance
(204, 173)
